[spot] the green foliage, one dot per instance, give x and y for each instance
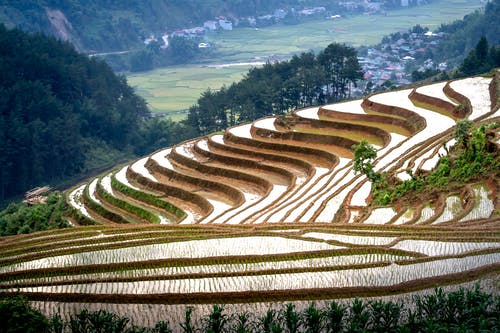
(270, 322)
(419, 76)
(98, 321)
(364, 154)
(463, 310)
(313, 319)
(243, 323)
(385, 317)
(187, 325)
(57, 323)
(291, 318)
(476, 157)
(462, 36)
(473, 156)
(157, 133)
(162, 327)
(122, 25)
(335, 317)
(141, 61)
(359, 316)
(100, 210)
(342, 70)
(148, 198)
(180, 51)
(55, 105)
(481, 59)
(125, 205)
(21, 218)
(217, 320)
(17, 316)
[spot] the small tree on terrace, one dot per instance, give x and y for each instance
(462, 132)
(364, 154)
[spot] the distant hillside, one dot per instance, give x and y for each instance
(121, 25)
(60, 112)
(462, 35)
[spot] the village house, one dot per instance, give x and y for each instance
(210, 25)
(312, 11)
(280, 14)
(189, 33)
(150, 39)
(225, 24)
(165, 41)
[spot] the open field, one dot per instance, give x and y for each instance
(269, 214)
(173, 89)
(169, 90)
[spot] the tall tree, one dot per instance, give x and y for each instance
(342, 69)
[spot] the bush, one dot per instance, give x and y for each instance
(16, 315)
(22, 219)
(473, 156)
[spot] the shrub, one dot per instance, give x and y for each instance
(16, 315)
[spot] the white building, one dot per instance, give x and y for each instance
(165, 41)
(225, 24)
(210, 25)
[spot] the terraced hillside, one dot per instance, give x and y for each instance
(272, 211)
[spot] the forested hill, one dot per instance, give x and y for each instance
(110, 25)
(115, 25)
(60, 112)
(462, 35)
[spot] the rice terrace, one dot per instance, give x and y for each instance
(279, 210)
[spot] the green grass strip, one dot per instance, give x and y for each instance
(135, 210)
(148, 198)
(100, 210)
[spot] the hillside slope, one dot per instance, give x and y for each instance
(272, 211)
(122, 25)
(60, 112)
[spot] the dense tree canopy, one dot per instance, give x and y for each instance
(463, 35)
(55, 107)
(480, 59)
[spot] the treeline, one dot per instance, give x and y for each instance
(463, 35)
(481, 59)
(471, 310)
(276, 88)
(63, 114)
